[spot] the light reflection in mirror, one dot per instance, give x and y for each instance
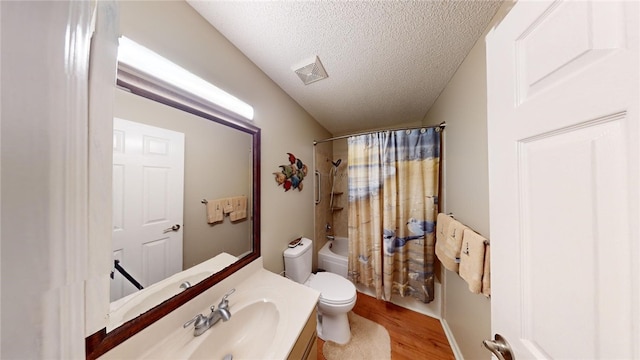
(144, 60)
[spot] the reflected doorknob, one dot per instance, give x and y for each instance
(499, 347)
(175, 227)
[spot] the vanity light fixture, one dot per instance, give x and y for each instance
(148, 62)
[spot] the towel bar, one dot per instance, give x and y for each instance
(486, 242)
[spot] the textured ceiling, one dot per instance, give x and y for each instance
(387, 60)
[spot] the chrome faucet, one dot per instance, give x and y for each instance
(202, 323)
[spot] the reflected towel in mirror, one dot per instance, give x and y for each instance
(239, 208)
(227, 205)
(214, 211)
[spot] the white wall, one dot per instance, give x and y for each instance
(44, 178)
(463, 105)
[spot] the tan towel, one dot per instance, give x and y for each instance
(442, 226)
(472, 260)
(214, 211)
(239, 208)
(447, 258)
(486, 274)
(455, 233)
(227, 205)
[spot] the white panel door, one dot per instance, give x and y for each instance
(564, 186)
(148, 190)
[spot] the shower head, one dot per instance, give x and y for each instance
(336, 163)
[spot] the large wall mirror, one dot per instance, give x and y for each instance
(186, 159)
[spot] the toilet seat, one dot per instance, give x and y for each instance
(333, 288)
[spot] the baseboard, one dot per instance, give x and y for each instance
(452, 340)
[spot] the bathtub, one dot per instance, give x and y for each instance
(333, 256)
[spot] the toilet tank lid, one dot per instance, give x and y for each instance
(303, 246)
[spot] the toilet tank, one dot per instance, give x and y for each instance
(297, 261)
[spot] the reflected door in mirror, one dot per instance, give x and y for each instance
(148, 188)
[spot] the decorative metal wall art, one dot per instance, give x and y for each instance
(292, 174)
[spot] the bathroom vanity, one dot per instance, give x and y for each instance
(272, 317)
(306, 348)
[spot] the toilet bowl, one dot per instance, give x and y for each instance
(337, 294)
(337, 298)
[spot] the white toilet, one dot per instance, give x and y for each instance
(337, 294)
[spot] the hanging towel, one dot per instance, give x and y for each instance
(472, 260)
(455, 233)
(239, 208)
(442, 226)
(214, 211)
(447, 258)
(227, 205)
(486, 274)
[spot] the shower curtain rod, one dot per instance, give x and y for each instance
(438, 128)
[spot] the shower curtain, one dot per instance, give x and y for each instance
(393, 204)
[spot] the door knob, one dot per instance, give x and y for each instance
(499, 347)
(175, 227)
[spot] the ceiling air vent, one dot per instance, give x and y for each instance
(312, 72)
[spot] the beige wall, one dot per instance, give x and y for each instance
(174, 30)
(217, 165)
(463, 105)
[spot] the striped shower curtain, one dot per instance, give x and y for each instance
(393, 203)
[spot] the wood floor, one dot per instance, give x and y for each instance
(413, 335)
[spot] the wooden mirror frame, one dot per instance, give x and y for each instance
(137, 83)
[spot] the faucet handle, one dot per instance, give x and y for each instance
(224, 298)
(224, 303)
(197, 321)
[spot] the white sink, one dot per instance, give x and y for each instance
(254, 330)
(268, 313)
(247, 335)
